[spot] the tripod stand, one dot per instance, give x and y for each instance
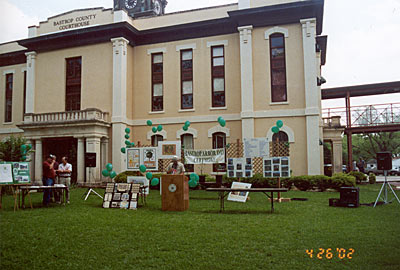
(384, 188)
(90, 190)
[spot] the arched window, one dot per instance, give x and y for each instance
(278, 67)
(187, 143)
(219, 141)
(155, 139)
(280, 144)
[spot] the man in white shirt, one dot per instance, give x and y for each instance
(64, 173)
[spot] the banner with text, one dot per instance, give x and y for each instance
(210, 156)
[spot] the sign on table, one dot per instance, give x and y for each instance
(256, 147)
(210, 156)
(239, 196)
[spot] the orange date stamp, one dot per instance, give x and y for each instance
(330, 253)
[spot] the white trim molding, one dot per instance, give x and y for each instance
(163, 133)
(189, 131)
(157, 50)
(23, 69)
(186, 46)
(285, 129)
(9, 71)
(10, 130)
(218, 128)
(217, 43)
(192, 119)
(276, 29)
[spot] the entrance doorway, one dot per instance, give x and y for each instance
(61, 147)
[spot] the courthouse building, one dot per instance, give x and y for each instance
(82, 77)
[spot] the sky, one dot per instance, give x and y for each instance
(363, 36)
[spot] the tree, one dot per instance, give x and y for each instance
(12, 149)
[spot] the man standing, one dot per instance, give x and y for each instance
(55, 196)
(64, 173)
(48, 178)
(175, 167)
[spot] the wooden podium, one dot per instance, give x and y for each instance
(174, 193)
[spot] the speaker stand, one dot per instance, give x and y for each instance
(384, 188)
(90, 190)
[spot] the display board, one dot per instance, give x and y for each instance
(19, 173)
(141, 180)
(208, 156)
(121, 195)
(169, 149)
(256, 147)
(276, 167)
(147, 156)
(239, 196)
(240, 167)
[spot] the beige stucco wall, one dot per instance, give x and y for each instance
(17, 95)
(96, 84)
(201, 78)
(294, 69)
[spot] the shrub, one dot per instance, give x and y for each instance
(286, 182)
(359, 176)
(343, 180)
(10, 149)
(322, 182)
(123, 177)
(303, 183)
(372, 178)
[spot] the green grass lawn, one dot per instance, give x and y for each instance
(83, 235)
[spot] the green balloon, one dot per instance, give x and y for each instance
(132, 144)
(127, 130)
(193, 176)
(149, 123)
(187, 123)
(192, 183)
(279, 123)
(113, 174)
(109, 167)
(159, 128)
(149, 175)
(123, 150)
(128, 143)
(219, 118)
(155, 181)
(222, 122)
(154, 129)
(275, 129)
(23, 158)
(197, 178)
(142, 168)
(105, 173)
(185, 128)
(126, 136)
(29, 146)
(23, 148)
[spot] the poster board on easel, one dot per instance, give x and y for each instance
(6, 177)
(19, 173)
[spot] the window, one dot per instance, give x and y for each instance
(155, 139)
(73, 84)
(278, 68)
(157, 92)
(280, 144)
(187, 143)
(24, 93)
(218, 76)
(9, 90)
(187, 79)
(219, 141)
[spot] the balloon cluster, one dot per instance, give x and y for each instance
(24, 150)
(108, 171)
(221, 121)
(127, 142)
(194, 180)
(149, 176)
(154, 129)
(276, 129)
(186, 126)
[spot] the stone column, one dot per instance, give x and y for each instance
(337, 156)
(93, 146)
(30, 82)
(38, 161)
(104, 156)
(81, 161)
(246, 75)
(119, 100)
(313, 116)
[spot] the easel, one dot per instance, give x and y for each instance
(384, 188)
(90, 190)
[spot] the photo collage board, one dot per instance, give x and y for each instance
(240, 167)
(146, 156)
(121, 195)
(14, 173)
(276, 167)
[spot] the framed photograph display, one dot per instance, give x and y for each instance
(169, 149)
(239, 196)
(121, 195)
(132, 159)
(14, 173)
(256, 147)
(142, 180)
(240, 167)
(6, 174)
(147, 156)
(276, 167)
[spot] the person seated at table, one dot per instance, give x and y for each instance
(48, 178)
(175, 167)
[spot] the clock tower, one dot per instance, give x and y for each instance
(139, 8)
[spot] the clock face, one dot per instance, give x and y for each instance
(158, 7)
(130, 4)
(172, 188)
